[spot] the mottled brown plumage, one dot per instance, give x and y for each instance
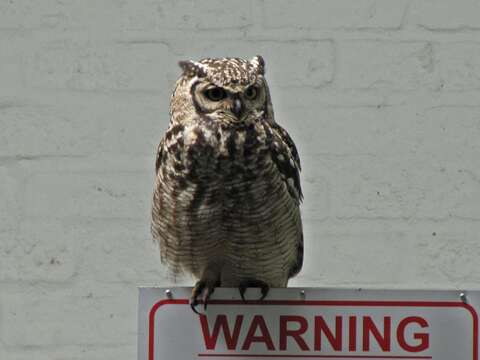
(227, 190)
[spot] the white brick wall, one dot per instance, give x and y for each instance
(382, 98)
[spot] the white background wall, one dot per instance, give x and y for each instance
(381, 97)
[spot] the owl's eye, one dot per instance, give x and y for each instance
(215, 94)
(251, 93)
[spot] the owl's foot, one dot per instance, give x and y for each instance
(264, 287)
(202, 291)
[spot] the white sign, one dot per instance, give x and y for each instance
(309, 324)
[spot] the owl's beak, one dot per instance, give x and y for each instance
(237, 107)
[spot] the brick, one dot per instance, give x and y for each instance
(11, 71)
(124, 16)
(97, 163)
(385, 65)
(333, 259)
(401, 188)
(364, 187)
(314, 60)
(95, 66)
(24, 13)
(185, 14)
(444, 252)
(438, 254)
(406, 131)
(343, 14)
(10, 210)
(441, 15)
(348, 130)
(465, 192)
(221, 14)
(458, 65)
(31, 130)
(448, 132)
(84, 124)
(449, 191)
(316, 190)
(329, 97)
(63, 317)
(89, 195)
(134, 125)
(420, 100)
(59, 17)
(107, 247)
(41, 250)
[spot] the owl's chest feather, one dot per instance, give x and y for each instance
(202, 154)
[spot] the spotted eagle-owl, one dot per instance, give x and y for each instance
(227, 189)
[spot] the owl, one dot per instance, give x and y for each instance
(227, 188)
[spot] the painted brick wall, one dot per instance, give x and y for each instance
(382, 98)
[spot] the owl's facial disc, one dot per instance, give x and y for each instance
(225, 103)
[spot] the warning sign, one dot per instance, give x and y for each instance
(309, 324)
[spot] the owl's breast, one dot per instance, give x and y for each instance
(220, 191)
(223, 154)
(213, 169)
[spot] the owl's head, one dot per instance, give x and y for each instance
(230, 90)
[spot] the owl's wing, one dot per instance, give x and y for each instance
(158, 160)
(295, 269)
(285, 156)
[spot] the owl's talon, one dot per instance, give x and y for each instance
(196, 291)
(206, 296)
(242, 290)
(204, 289)
(193, 305)
(264, 288)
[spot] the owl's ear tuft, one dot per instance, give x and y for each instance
(192, 68)
(258, 64)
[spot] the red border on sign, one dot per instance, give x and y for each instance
(373, 303)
